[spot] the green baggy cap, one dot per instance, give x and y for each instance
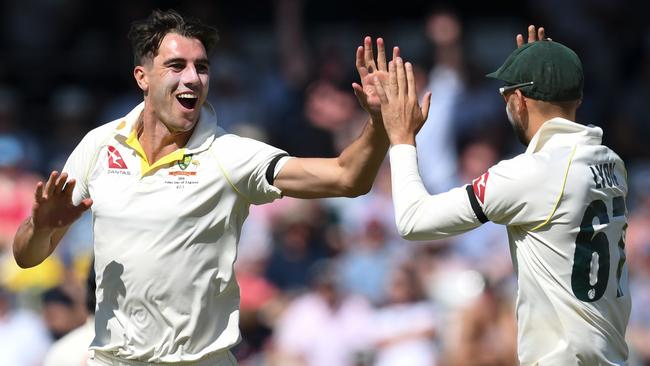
(554, 69)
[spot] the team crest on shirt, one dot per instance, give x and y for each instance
(479, 184)
(183, 164)
(183, 178)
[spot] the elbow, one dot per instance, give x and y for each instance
(412, 235)
(404, 229)
(355, 189)
(24, 264)
(356, 192)
(404, 232)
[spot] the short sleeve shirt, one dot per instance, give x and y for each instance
(166, 236)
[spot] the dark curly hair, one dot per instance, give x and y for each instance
(146, 35)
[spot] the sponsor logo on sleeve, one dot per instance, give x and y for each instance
(479, 184)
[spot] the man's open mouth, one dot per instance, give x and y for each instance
(187, 100)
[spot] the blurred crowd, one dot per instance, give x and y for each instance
(323, 282)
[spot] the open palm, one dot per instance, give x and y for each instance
(53, 207)
(368, 69)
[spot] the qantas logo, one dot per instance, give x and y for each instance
(115, 160)
(479, 184)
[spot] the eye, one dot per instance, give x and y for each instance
(177, 66)
(202, 69)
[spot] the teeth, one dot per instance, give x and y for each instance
(187, 96)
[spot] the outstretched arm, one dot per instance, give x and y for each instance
(418, 215)
(52, 214)
(353, 172)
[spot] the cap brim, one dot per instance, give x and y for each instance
(493, 75)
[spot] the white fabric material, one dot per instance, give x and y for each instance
(418, 215)
(283, 160)
(224, 358)
(165, 242)
(543, 197)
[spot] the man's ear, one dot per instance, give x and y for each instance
(522, 107)
(140, 75)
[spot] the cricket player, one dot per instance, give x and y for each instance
(562, 201)
(170, 191)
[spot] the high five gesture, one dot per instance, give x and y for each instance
(403, 116)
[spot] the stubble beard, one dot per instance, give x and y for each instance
(519, 127)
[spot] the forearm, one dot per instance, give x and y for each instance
(32, 246)
(349, 175)
(419, 215)
(361, 160)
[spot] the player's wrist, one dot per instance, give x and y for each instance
(376, 119)
(402, 139)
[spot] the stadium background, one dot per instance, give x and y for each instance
(324, 282)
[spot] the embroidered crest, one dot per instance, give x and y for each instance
(183, 164)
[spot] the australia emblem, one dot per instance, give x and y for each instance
(183, 164)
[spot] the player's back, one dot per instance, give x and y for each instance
(573, 303)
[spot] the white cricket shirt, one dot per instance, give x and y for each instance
(166, 236)
(563, 202)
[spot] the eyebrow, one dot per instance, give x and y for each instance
(202, 61)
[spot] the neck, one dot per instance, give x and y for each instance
(156, 138)
(537, 118)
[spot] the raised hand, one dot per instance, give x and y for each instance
(53, 207)
(402, 114)
(368, 69)
(533, 35)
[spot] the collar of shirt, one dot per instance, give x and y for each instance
(202, 137)
(562, 132)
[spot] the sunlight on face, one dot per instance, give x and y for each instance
(178, 82)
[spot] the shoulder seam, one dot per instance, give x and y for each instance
(225, 174)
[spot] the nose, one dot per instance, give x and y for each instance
(190, 76)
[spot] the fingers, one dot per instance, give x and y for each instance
(84, 205)
(410, 81)
(532, 35)
(38, 195)
(381, 55)
(361, 66)
(392, 78)
(67, 191)
(401, 79)
(396, 53)
(357, 88)
(360, 94)
(381, 93)
(49, 185)
(426, 103)
(368, 55)
(60, 183)
(520, 40)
